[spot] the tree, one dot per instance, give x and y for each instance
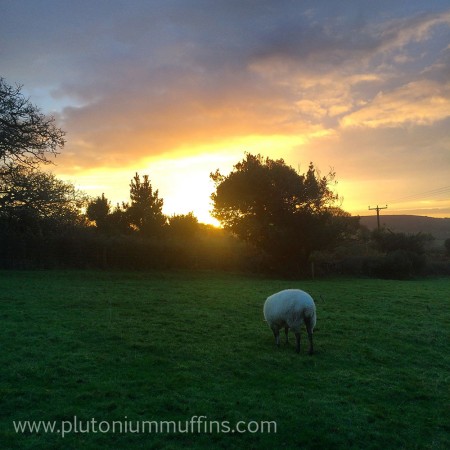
(26, 135)
(145, 211)
(284, 213)
(118, 221)
(183, 226)
(108, 220)
(98, 211)
(32, 198)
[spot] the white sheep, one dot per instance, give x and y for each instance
(291, 309)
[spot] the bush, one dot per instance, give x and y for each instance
(387, 241)
(399, 264)
(447, 246)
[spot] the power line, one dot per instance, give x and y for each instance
(418, 196)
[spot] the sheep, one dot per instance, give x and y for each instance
(290, 309)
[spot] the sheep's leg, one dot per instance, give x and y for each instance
(286, 332)
(310, 335)
(297, 342)
(276, 333)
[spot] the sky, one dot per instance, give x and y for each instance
(179, 88)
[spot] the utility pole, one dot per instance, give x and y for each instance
(377, 209)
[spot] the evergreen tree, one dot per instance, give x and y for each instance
(145, 211)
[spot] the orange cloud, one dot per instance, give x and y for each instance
(421, 102)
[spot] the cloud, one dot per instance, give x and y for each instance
(200, 77)
(176, 107)
(418, 28)
(419, 102)
(359, 85)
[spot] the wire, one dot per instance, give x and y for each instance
(423, 195)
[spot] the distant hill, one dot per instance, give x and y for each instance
(439, 228)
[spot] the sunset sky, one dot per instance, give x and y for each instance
(178, 88)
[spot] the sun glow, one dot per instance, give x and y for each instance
(183, 182)
(182, 177)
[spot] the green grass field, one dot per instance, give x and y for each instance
(113, 347)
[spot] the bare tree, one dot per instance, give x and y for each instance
(29, 192)
(27, 136)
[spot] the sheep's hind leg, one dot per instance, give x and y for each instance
(286, 332)
(297, 342)
(310, 336)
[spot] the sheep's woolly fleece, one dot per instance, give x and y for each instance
(289, 307)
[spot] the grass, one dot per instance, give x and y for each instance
(169, 346)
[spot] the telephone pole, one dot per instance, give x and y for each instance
(377, 209)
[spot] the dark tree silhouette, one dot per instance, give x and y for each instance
(184, 226)
(98, 211)
(107, 220)
(35, 197)
(26, 135)
(284, 213)
(145, 211)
